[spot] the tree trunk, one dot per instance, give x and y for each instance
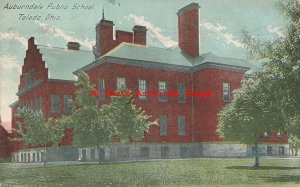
(45, 155)
(135, 151)
(292, 152)
(256, 155)
(99, 158)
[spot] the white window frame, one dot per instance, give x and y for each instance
(121, 83)
(226, 91)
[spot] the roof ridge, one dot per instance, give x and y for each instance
(60, 48)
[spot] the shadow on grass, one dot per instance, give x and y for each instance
(262, 168)
(283, 178)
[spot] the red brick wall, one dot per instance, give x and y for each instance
(206, 109)
(4, 149)
(152, 106)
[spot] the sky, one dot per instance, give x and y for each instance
(221, 23)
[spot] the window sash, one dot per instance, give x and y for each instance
(181, 91)
(41, 103)
(162, 88)
(181, 125)
(121, 83)
(142, 89)
(55, 103)
(101, 89)
(163, 123)
(226, 92)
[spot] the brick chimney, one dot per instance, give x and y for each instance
(139, 35)
(188, 29)
(105, 36)
(73, 46)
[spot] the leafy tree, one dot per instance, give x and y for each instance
(281, 73)
(129, 120)
(248, 116)
(294, 144)
(270, 102)
(36, 131)
(87, 119)
(95, 125)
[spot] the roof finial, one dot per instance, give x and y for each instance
(103, 13)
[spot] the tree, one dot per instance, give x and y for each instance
(90, 127)
(248, 116)
(131, 122)
(282, 72)
(294, 144)
(270, 102)
(36, 131)
(95, 125)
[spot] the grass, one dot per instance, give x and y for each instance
(197, 172)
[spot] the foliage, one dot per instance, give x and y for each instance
(128, 120)
(248, 115)
(87, 120)
(281, 75)
(95, 125)
(36, 131)
(294, 143)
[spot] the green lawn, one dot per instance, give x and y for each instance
(197, 172)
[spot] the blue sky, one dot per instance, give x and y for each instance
(221, 22)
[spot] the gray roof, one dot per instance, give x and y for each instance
(172, 56)
(150, 54)
(212, 58)
(62, 62)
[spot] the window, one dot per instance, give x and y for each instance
(67, 103)
(142, 89)
(101, 89)
(165, 152)
(29, 77)
(226, 92)
(163, 124)
(41, 103)
(123, 153)
(32, 104)
(184, 152)
(162, 89)
(144, 152)
(37, 105)
(121, 84)
(181, 91)
(55, 103)
(181, 125)
(269, 150)
(281, 150)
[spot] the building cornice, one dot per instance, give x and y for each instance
(30, 87)
(157, 65)
(13, 104)
(60, 80)
(210, 65)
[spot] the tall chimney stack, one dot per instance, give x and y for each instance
(188, 29)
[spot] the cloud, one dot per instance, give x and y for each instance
(220, 31)
(10, 62)
(14, 36)
(57, 32)
(156, 31)
(275, 30)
